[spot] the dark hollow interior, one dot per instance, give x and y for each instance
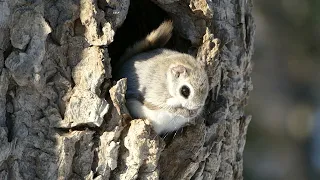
(143, 17)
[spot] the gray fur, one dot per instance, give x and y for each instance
(154, 80)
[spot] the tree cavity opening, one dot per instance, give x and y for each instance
(143, 17)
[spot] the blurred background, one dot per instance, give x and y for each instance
(283, 140)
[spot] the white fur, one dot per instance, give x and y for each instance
(174, 102)
(162, 121)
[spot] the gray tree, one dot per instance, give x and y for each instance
(63, 117)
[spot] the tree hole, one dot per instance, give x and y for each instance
(143, 17)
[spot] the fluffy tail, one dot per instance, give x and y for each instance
(156, 39)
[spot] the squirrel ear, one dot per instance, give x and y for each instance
(178, 70)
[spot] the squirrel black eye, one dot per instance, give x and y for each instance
(185, 91)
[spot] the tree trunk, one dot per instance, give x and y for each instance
(58, 118)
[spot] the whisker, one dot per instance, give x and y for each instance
(155, 137)
(175, 134)
(166, 134)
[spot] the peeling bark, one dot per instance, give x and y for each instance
(58, 119)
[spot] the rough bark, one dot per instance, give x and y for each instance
(58, 120)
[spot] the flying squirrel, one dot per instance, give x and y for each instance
(166, 87)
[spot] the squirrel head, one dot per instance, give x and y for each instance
(188, 85)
